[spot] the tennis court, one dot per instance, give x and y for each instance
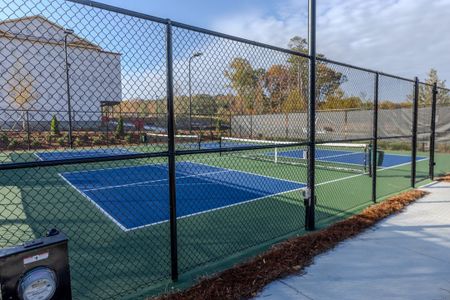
(135, 197)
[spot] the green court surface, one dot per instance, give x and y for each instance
(106, 260)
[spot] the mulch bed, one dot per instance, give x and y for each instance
(445, 178)
(290, 257)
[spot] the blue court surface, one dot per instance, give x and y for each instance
(60, 155)
(138, 196)
(349, 157)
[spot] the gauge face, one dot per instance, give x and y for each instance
(38, 284)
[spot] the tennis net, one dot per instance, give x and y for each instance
(347, 157)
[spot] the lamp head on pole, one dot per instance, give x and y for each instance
(68, 31)
(197, 54)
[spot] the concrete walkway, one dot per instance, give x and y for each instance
(407, 256)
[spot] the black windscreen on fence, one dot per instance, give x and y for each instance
(165, 150)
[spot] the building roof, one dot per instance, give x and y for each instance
(40, 29)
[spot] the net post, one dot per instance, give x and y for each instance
(414, 132)
(310, 191)
(433, 131)
(374, 150)
(276, 155)
(27, 118)
(171, 153)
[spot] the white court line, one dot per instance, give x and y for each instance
(245, 172)
(115, 168)
(79, 152)
(357, 175)
(340, 155)
(95, 203)
(194, 214)
(222, 207)
(151, 181)
(327, 161)
(218, 208)
(37, 155)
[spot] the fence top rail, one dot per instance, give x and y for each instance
(231, 37)
(185, 26)
(226, 36)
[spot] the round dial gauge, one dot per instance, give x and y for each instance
(37, 284)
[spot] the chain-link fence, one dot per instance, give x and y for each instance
(162, 149)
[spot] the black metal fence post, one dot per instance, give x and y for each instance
(310, 189)
(172, 158)
(433, 131)
(68, 32)
(374, 149)
(414, 132)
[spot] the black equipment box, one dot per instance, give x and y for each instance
(36, 270)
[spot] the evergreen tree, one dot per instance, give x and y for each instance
(120, 129)
(54, 126)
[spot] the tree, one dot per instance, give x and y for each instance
(277, 85)
(338, 100)
(120, 129)
(21, 83)
(327, 78)
(248, 84)
(295, 102)
(277, 88)
(426, 90)
(54, 126)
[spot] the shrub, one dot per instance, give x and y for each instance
(120, 129)
(49, 138)
(54, 126)
(13, 144)
(36, 144)
(61, 141)
(85, 138)
(4, 139)
(143, 138)
(97, 140)
(78, 142)
(129, 138)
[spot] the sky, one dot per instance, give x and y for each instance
(402, 37)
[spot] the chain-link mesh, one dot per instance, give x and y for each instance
(85, 141)
(442, 147)
(79, 82)
(345, 115)
(232, 94)
(395, 122)
(424, 118)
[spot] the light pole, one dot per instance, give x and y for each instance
(68, 32)
(197, 54)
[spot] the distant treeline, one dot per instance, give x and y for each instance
(281, 88)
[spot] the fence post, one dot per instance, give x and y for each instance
(374, 152)
(310, 189)
(433, 130)
(171, 154)
(67, 32)
(414, 133)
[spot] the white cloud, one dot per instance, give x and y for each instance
(402, 37)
